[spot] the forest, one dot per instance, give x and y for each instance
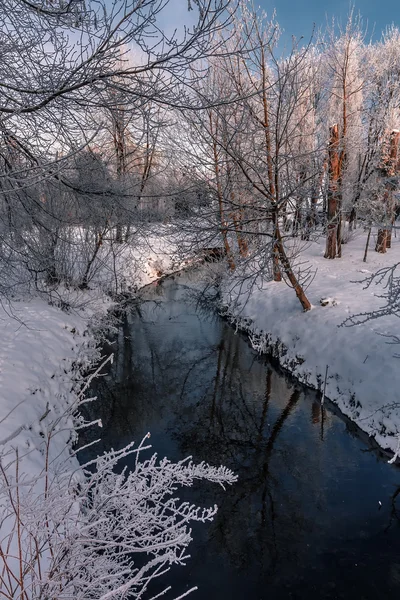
(253, 147)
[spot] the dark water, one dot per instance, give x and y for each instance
(304, 519)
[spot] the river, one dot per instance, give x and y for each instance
(314, 513)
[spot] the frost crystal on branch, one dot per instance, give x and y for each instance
(101, 535)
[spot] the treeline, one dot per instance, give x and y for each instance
(108, 124)
(300, 143)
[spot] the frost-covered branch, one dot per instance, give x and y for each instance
(99, 531)
(389, 279)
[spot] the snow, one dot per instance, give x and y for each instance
(117, 268)
(43, 349)
(43, 346)
(363, 371)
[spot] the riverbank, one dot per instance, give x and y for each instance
(44, 498)
(363, 368)
(48, 343)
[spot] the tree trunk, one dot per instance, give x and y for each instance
(275, 247)
(305, 303)
(297, 218)
(333, 193)
(285, 220)
(270, 170)
(52, 276)
(224, 229)
(367, 244)
(118, 234)
(236, 209)
(339, 236)
(352, 219)
(242, 244)
(236, 214)
(98, 244)
(389, 238)
(300, 199)
(311, 220)
(389, 169)
(381, 242)
(120, 155)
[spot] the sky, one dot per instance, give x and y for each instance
(296, 17)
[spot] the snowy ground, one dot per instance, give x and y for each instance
(43, 349)
(40, 345)
(363, 371)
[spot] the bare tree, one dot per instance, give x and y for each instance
(343, 58)
(95, 531)
(256, 139)
(64, 65)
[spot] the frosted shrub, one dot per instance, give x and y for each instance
(98, 531)
(66, 535)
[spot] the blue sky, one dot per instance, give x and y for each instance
(297, 16)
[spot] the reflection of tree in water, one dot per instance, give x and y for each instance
(196, 379)
(394, 509)
(159, 347)
(261, 520)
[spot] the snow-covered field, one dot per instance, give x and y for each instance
(363, 370)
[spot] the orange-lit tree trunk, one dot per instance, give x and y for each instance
(337, 152)
(381, 241)
(333, 192)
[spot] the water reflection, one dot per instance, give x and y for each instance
(304, 520)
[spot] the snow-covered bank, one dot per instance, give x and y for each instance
(44, 350)
(363, 370)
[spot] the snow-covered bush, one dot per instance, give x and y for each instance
(100, 530)
(64, 536)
